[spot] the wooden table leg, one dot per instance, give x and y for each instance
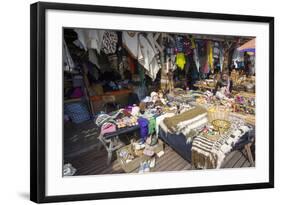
(249, 153)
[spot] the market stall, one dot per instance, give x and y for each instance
(144, 91)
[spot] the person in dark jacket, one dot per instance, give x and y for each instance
(224, 84)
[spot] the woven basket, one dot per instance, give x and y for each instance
(221, 125)
(218, 113)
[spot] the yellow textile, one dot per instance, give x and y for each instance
(210, 55)
(192, 42)
(180, 60)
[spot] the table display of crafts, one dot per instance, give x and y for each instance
(216, 139)
(245, 103)
(127, 121)
(218, 125)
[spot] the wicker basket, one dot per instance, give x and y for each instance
(218, 112)
(221, 125)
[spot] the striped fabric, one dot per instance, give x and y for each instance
(210, 154)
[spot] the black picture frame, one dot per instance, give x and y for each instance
(38, 100)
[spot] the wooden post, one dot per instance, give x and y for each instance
(86, 89)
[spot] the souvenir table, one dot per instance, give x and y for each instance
(192, 149)
(187, 116)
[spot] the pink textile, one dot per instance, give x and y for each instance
(108, 128)
(77, 93)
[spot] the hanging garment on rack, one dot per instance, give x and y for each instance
(205, 67)
(179, 44)
(67, 57)
(210, 55)
(109, 42)
(131, 42)
(202, 56)
(95, 39)
(221, 57)
(237, 57)
(90, 38)
(196, 58)
(180, 60)
(156, 47)
(131, 64)
(82, 37)
(187, 46)
(193, 45)
(216, 49)
(147, 57)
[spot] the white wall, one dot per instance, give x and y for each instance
(14, 103)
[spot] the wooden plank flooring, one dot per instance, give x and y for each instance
(94, 162)
(81, 150)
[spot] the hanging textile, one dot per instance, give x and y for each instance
(131, 42)
(225, 57)
(193, 45)
(196, 58)
(109, 42)
(67, 57)
(216, 50)
(180, 60)
(95, 39)
(131, 64)
(205, 62)
(210, 55)
(187, 46)
(179, 44)
(237, 56)
(155, 46)
(221, 57)
(90, 38)
(202, 55)
(147, 57)
(81, 34)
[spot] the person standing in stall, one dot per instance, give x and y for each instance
(224, 85)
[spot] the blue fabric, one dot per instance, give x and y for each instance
(77, 112)
(179, 143)
(143, 123)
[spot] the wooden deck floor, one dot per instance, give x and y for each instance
(94, 162)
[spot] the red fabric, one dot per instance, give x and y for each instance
(132, 64)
